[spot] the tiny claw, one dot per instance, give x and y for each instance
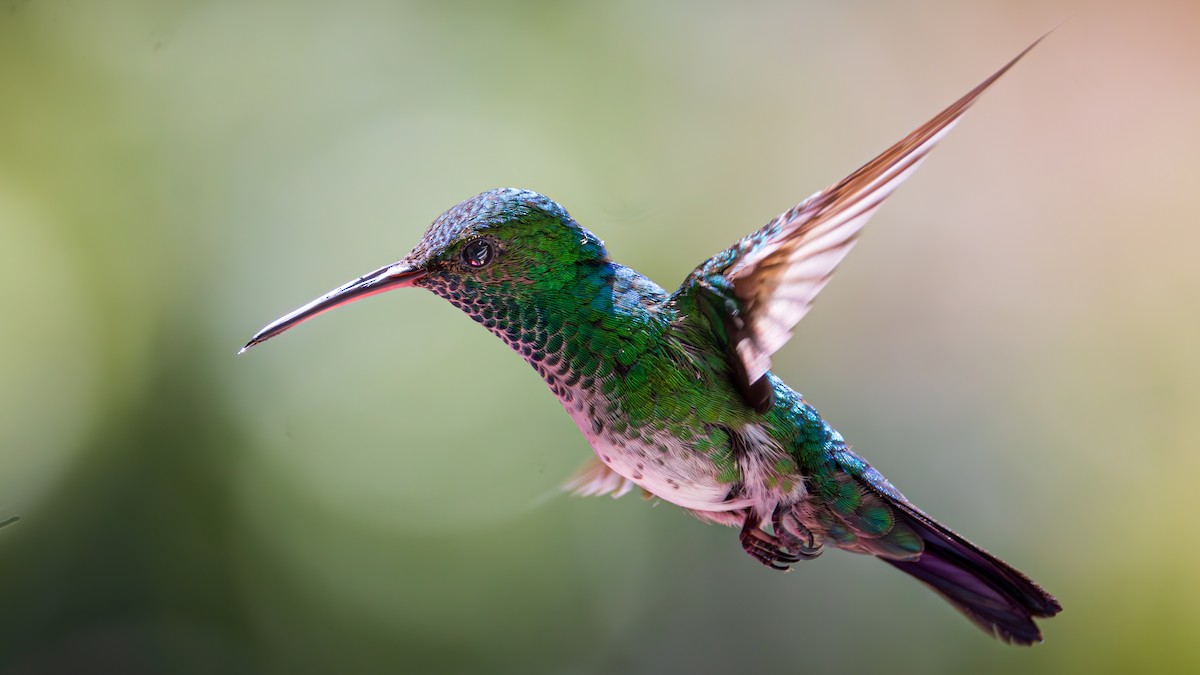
(766, 548)
(10, 521)
(795, 536)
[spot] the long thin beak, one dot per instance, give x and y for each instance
(398, 275)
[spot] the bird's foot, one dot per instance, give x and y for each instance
(766, 548)
(794, 535)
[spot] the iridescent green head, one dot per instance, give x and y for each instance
(504, 235)
(496, 245)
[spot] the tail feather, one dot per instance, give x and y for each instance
(992, 594)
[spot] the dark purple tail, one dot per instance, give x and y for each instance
(998, 598)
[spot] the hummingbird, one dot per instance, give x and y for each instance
(674, 391)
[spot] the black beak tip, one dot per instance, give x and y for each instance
(253, 341)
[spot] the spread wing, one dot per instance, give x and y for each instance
(763, 285)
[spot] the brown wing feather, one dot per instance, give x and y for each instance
(792, 258)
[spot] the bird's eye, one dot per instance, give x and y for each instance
(479, 253)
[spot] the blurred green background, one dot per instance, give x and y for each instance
(1013, 342)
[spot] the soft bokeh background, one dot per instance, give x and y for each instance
(1013, 342)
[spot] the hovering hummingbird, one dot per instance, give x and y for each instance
(674, 390)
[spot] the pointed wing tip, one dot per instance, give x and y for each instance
(1025, 51)
(1037, 42)
(965, 102)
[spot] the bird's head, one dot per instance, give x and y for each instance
(504, 242)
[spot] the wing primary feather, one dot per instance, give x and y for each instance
(814, 236)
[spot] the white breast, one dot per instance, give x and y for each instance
(657, 462)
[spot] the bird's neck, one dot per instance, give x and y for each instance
(579, 332)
